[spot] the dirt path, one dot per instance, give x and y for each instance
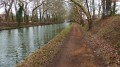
(75, 52)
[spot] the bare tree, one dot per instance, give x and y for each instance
(86, 11)
(8, 5)
(93, 5)
(19, 14)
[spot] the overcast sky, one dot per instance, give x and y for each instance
(97, 1)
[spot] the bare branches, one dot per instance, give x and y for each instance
(86, 13)
(43, 9)
(38, 6)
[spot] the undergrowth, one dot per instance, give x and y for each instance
(106, 36)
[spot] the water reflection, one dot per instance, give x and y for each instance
(18, 43)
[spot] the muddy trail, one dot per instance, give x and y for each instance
(75, 52)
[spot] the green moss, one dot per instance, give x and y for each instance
(84, 28)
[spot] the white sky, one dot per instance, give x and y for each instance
(118, 7)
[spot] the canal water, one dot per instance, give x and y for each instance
(16, 44)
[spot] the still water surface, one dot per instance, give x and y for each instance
(16, 44)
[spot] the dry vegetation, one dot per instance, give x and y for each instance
(104, 39)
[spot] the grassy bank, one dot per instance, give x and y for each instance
(104, 39)
(44, 55)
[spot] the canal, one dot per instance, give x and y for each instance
(16, 44)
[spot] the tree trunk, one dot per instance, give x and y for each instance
(88, 8)
(99, 11)
(93, 5)
(26, 18)
(40, 15)
(80, 16)
(86, 13)
(103, 7)
(8, 10)
(7, 16)
(114, 9)
(108, 7)
(12, 16)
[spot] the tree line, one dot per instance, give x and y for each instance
(88, 8)
(54, 11)
(32, 11)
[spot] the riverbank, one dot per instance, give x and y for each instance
(75, 52)
(104, 39)
(8, 26)
(44, 55)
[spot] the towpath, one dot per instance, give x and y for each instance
(75, 52)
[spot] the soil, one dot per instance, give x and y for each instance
(75, 52)
(104, 39)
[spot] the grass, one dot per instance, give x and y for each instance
(45, 54)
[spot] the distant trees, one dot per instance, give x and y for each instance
(49, 11)
(88, 7)
(93, 7)
(54, 11)
(44, 11)
(19, 14)
(86, 11)
(113, 8)
(109, 7)
(103, 8)
(8, 5)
